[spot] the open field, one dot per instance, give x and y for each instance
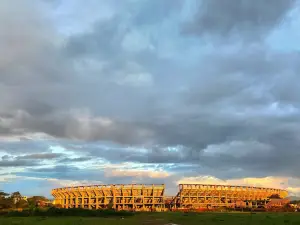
(165, 218)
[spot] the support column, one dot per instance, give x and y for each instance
(82, 196)
(122, 193)
(152, 196)
(66, 205)
(143, 200)
(114, 198)
(133, 197)
(76, 201)
(90, 201)
(97, 201)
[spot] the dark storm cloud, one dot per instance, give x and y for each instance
(36, 107)
(46, 107)
(63, 172)
(24, 146)
(278, 134)
(79, 159)
(30, 160)
(55, 169)
(119, 153)
(17, 163)
(32, 68)
(248, 19)
(41, 156)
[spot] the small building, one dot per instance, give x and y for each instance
(19, 198)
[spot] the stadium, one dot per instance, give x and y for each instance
(142, 197)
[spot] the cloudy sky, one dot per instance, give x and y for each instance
(149, 91)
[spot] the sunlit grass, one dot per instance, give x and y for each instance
(164, 218)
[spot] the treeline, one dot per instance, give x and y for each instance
(16, 205)
(59, 212)
(16, 201)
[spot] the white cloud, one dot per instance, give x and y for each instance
(8, 178)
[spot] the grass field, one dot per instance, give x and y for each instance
(165, 218)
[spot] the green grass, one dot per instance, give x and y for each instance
(164, 218)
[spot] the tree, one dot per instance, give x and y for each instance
(16, 196)
(6, 203)
(22, 204)
(35, 200)
(275, 196)
(3, 194)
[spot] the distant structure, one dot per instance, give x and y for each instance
(137, 197)
(212, 196)
(140, 197)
